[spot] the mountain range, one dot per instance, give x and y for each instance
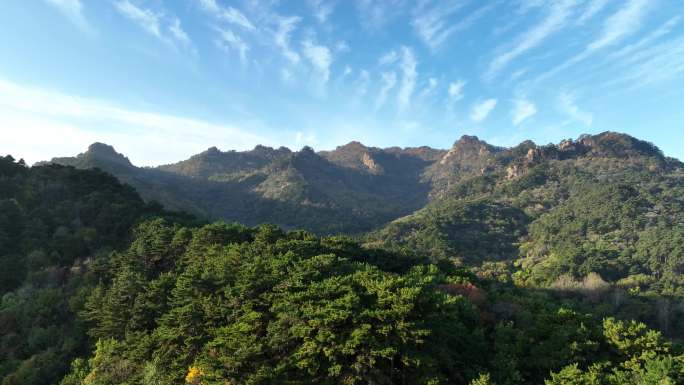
(558, 211)
(354, 188)
(473, 265)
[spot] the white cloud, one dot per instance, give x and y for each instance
(622, 23)
(390, 57)
(646, 41)
(430, 87)
(593, 7)
(568, 106)
(228, 14)
(342, 46)
(517, 74)
(153, 22)
(432, 24)
(145, 18)
(320, 58)
(41, 124)
(282, 37)
(657, 64)
(523, 109)
(456, 90)
(388, 80)
(481, 110)
(322, 9)
(177, 32)
(555, 20)
(527, 5)
(228, 40)
(73, 9)
(408, 80)
(375, 14)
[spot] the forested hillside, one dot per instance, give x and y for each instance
(476, 265)
(350, 190)
(57, 225)
(609, 205)
(226, 304)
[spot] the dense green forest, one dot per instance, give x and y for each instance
(56, 225)
(226, 304)
(557, 264)
(609, 220)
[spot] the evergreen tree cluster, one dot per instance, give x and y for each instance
(227, 304)
(56, 225)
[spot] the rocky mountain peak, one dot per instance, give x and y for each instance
(104, 152)
(353, 145)
(467, 148)
(468, 139)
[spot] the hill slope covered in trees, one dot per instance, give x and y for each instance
(56, 226)
(226, 304)
(607, 204)
(566, 245)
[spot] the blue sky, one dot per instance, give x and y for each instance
(164, 79)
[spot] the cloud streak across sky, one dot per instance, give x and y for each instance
(48, 117)
(402, 72)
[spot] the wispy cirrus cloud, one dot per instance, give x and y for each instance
(145, 18)
(646, 41)
(456, 90)
(362, 82)
(390, 57)
(626, 21)
(388, 81)
(430, 87)
(322, 9)
(320, 58)
(568, 106)
(409, 73)
(431, 21)
(656, 64)
(230, 41)
(557, 17)
(375, 14)
(40, 118)
(177, 31)
(481, 110)
(435, 26)
(73, 10)
(523, 109)
(153, 22)
(281, 37)
(229, 14)
(623, 23)
(525, 6)
(593, 7)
